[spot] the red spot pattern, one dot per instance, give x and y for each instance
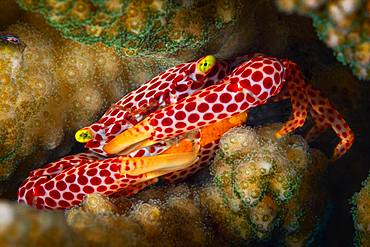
(66, 191)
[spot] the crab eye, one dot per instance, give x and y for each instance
(206, 64)
(84, 135)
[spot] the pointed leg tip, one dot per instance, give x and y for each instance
(278, 135)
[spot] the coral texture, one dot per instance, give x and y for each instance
(361, 214)
(139, 27)
(50, 87)
(270, 181)
(23, 226)
(344, 25)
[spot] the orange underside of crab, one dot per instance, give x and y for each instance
(209, 134)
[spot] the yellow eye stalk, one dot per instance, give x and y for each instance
(206, 64)
(84, 135)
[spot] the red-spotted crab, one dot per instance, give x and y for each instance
(170, 127)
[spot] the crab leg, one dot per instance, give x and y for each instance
(331, 117)
(319, 126)
(296, 86)
(322, 111)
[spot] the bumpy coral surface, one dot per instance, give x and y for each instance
(361, 215)
(167, 217)
(50, 87)
(270, 182)
(23, 226)
(138, 27)
(343, 25)
(261, 190)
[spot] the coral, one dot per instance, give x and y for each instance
(343, 25)
(107, 229)
(175, 221)
(361, 214)
(139, 27)
(271, 180)
(23, 226)
(50, 87)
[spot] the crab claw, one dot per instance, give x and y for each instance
(130, 140)
(177, 157)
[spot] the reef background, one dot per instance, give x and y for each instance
(260, 28)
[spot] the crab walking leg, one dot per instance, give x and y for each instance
(296, 88)
(283, 95)
(319, 126)
(323, 112)
(331, 117)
